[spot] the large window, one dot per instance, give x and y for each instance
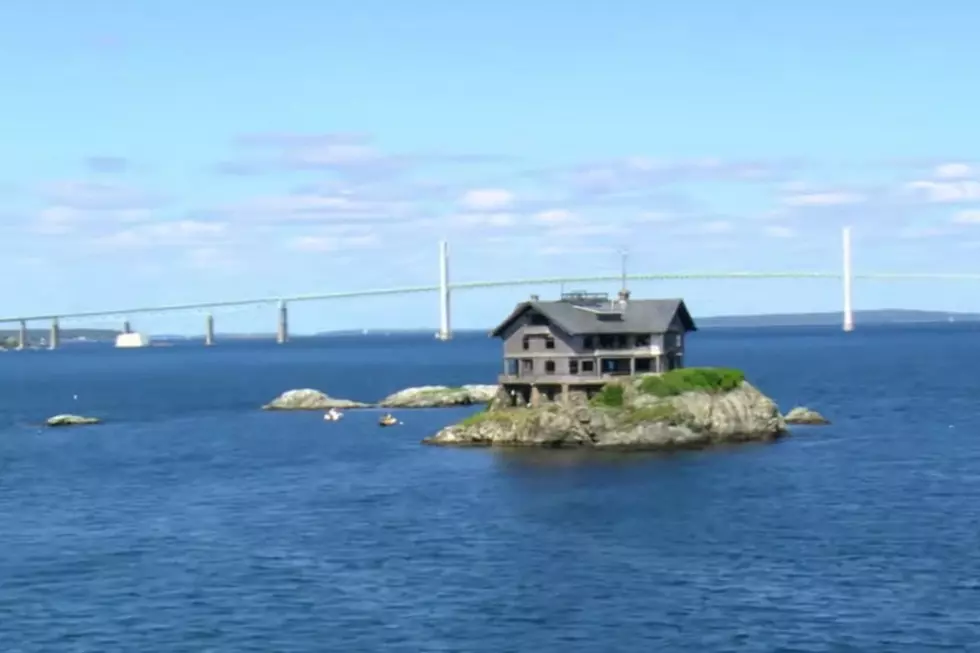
(642, 341)
(573, 367)
(549, 342)
(588, 366)
(549, 367)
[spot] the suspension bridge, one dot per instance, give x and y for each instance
(445, 288)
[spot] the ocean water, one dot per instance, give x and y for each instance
(192, 521)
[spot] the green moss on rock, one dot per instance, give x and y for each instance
(612, 395)
(713, 380)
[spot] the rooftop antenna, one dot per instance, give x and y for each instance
(624, 292)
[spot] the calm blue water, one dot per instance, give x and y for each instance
(193, 522)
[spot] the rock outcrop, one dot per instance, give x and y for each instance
(802, 415)
(308, 399)
(439, 396)
(680, 409)
(72, 420)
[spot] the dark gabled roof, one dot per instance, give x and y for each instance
(639, 316)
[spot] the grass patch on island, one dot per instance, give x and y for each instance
(504, 416)
(612, 395)
(692, 379)
(665, 413)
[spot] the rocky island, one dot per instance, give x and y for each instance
(427, 396)
(682, 408)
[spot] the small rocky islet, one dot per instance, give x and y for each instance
(67, 419)
(683, 408)
(429, 396)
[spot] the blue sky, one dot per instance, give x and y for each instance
(161, 152)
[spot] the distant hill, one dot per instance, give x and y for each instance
(879, 317)
(874, 317)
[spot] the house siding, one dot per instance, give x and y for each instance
(531, 363)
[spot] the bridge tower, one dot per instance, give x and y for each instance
(445, 330)
(22, 336)
(282, 329)
(848, 281)
(209, 329)
(54, 338)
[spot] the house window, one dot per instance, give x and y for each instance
(588, 366)
(538, 320)
(606, 342)
(621, 342)
(573, 367)
(549, 343)
(527, 365)
(588, 343)
(526, 343)
(512, 366)
(549, 367)
(642, 341)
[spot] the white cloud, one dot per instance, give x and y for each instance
(586, 230)
(333, 243)
(98, 196)
(163, 234)
(913, 233)
(485, 219)
(656, 216)
(838, 198)
(211, 259)
(779, 231)
(715, 227)
(560, 250)
(337, 206)
(954, 171)
(70, 205)
(946, 191)
(971, 216)
(487, 199)
(555, 216)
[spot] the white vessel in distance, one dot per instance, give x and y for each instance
(132, 339)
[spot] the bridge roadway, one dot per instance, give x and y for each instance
(474, 285)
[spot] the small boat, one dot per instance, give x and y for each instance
(387, 420)
(333, 415)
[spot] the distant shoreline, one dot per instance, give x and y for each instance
(883, 317)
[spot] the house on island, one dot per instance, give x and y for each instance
(557, 349)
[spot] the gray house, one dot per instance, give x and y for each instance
(576, 344)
